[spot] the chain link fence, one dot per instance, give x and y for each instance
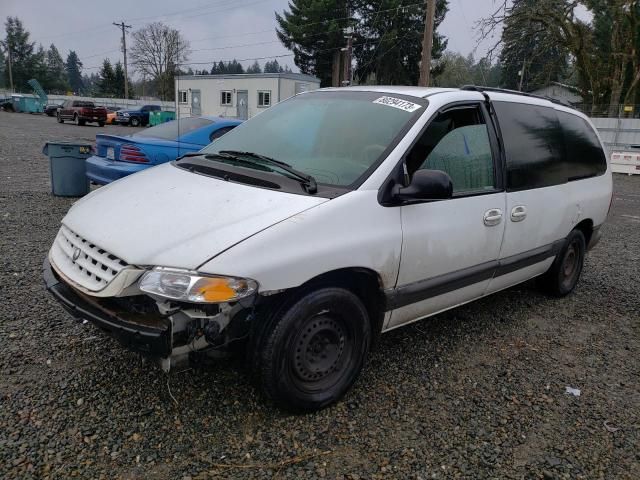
(618, 125)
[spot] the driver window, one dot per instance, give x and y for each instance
(456, 142)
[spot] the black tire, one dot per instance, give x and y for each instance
(313, 349)
(134, 122)
(60, 119)
(101, 124)
(76, 120)
(563, 275)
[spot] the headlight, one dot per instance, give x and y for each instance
(125, 114)
(193, 287)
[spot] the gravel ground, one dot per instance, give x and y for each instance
(478, 392)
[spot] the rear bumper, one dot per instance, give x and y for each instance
(101, 170)
(93, 119)
(150, 341)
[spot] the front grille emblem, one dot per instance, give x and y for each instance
(76, 253)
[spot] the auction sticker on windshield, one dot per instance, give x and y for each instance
(397, 103)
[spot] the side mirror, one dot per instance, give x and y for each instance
(426, 185)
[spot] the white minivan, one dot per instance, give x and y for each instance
(330, 218)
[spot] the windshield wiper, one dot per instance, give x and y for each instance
(307, 180)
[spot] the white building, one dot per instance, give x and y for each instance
(239, 95)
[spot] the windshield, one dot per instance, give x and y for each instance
(335, 136)
(174, 129)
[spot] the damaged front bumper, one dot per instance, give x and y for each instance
(149, 335)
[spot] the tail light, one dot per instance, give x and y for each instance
(132, 153)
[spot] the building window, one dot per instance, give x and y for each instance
(182, 96)
(225, 97)
(264, 98)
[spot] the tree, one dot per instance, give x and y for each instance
(530, 49)
(273, 67)
(604, 50)
(457, 70)
(313, 31)
(3, 82)
(157, 52)
(118, 81)
(22, 53)
(388, 46)
(74, 71)
(56, 79)
(255, 68)
(107, 83)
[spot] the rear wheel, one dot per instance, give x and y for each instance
(563, 275)
(59, 117)
(313, 351)
(101, 124)
(135, 122)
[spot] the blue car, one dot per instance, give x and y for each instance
(119, 156)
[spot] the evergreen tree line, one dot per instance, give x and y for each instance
(56, 75)
(222, 68)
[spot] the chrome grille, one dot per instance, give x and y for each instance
(92, 268)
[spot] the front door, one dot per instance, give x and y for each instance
(196, 103)
(450, 248)
(243, 104)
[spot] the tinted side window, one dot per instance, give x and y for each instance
(585, 157)
(534, 145)
(456, 142)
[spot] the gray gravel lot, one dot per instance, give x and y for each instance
(478, 392)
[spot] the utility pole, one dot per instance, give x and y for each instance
(524, 66)
(124, 51)
(427, 42)
(346, 72)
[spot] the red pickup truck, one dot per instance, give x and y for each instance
(81, 111)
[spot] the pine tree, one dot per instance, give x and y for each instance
(273, 67)
(313, 31)
(255, 68)
(56, 74)
(531, 49)
(74, 69)
(388, 45)
(23, 60)
(107, 85)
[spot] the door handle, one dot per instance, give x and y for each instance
(492, 217)
(518, 213)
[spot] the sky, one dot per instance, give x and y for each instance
(215, 29)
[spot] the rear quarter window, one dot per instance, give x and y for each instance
(585, 157)
(534, 145)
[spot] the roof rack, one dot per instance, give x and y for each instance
(476, 88)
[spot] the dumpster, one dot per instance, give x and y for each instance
(67, 165)
(156, 118)
(27, 104)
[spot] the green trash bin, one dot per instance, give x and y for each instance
(67, 164)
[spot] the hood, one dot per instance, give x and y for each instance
(171, 217)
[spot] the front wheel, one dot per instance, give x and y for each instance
(60, 119)
(563, 275)
(314, 350)
(101, 124)
(135, 122)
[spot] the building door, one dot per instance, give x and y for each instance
(196, 104)
(243, 104)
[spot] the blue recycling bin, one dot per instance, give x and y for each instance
(67, 165)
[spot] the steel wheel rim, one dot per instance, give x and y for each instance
(321, 351)
(570, 263)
